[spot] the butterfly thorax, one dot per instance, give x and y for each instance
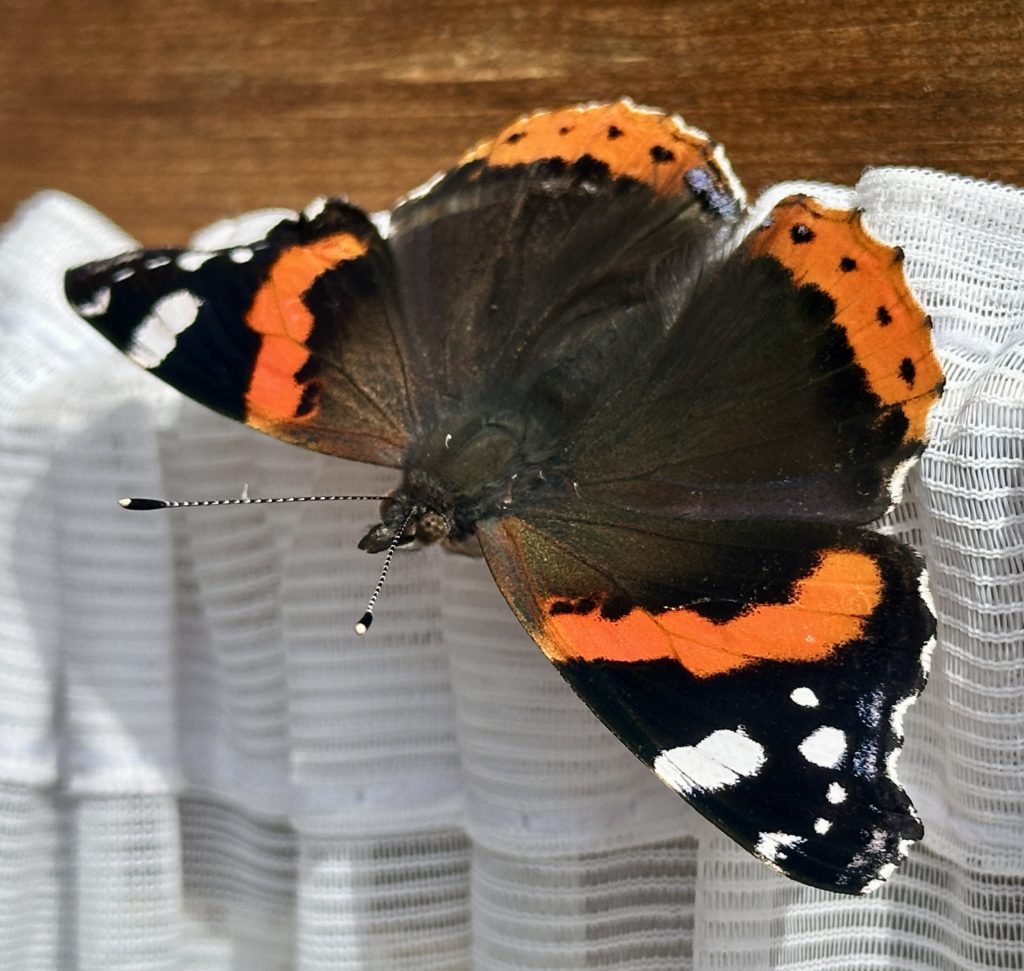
(451, 483)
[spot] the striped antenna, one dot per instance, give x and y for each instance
(363, 624)
(144, 504)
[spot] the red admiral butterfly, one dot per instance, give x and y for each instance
(666, 440)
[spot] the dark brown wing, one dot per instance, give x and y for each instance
(693, 564)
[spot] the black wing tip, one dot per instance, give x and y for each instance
(326, 216)
(82, 284)
(88, 287)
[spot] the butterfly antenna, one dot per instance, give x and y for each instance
(363, 624)
(243, 500)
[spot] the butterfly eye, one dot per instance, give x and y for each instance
(431, 527)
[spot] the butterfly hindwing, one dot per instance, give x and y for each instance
(775, 708)
(296, 334)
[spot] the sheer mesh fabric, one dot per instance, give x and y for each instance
(201, 767)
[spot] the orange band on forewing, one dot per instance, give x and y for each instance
(280, 315)
(886, 328)
(648, 146)
(830, 607)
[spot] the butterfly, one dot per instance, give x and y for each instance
(666, 436)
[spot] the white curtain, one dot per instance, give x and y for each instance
(203, 768)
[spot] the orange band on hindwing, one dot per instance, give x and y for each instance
(829, 608)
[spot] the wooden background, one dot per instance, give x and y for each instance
(167, 114)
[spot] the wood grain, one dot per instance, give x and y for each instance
(167, 115)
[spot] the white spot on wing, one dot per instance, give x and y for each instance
(718, 761)
(836, 794)
(899, 711)
(155, 262)
(240, 254)
(191, 261)
(382, 222)
(899, 479)
(925, 590)
(825, 746)
(804, 697)
(315, 208)
(118, 276)
(822, 826)
(891, 761)
(421, 190)
(926, 655)
(735, 186)
(772, 845)
(156, 336)
(97, 306)
(886, 870)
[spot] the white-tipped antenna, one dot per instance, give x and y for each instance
(136, 503)
(363, 624)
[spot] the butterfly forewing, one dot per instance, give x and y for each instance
(548, 240)
(297, 334)
(793, 385)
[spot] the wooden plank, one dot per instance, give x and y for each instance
(167, 115)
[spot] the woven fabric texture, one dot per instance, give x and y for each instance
(203, 768)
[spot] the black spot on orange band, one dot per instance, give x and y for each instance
(801, 233)
(908, 371)
(630, 142)
(882, 333)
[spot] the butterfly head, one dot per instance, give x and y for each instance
(420, 510)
